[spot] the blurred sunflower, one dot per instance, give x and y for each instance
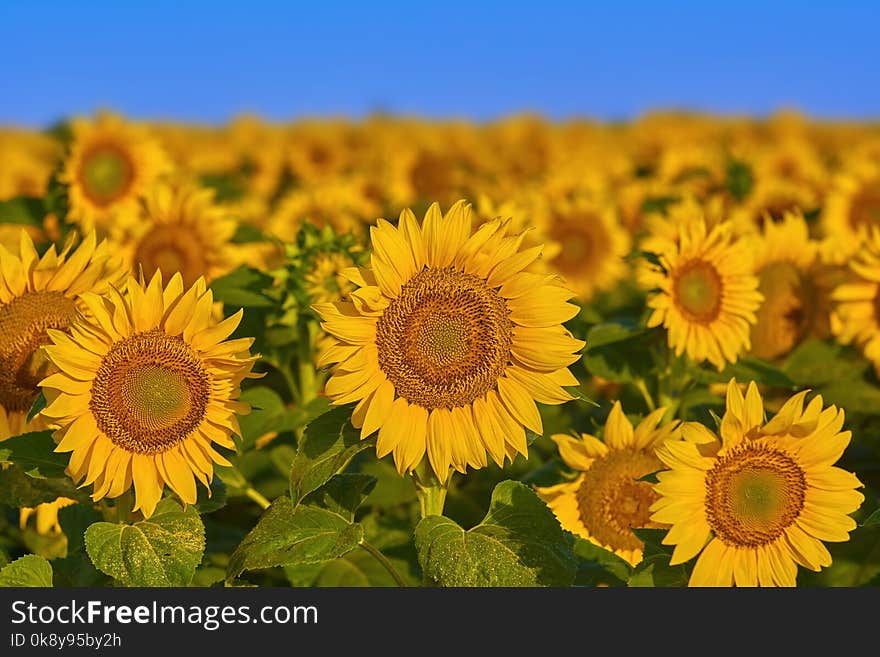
(178, 227)
(705, 294)
(447, 342)
(325, 281)
(145, 388)
(586, 244)
(796, 302)
(605, 501)
(325, 204)
(772, 199)
(45, 516)
(38, 294)
(761, 500)
(110, 164)
(852, 206)
(856, 315)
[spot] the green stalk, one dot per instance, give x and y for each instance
(431, 492)
(257, 497)
(124, 504)
(382, 559)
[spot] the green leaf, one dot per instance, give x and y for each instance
(288, 536)
(34, 452)
(872, 520)
(518, 543)
(739, 179)
(244, 287)
(749, 368)
(391, 489)
(654, 569)
(30, 570)
(76, 569)
(208, 503)
(38, 405)
(328, 444)
(162, 550)
(342, 494)
(852, 396)
(23, 210)
(619, 354)
(267, 415)
(815, 363)
(19, 489)
(607, 561)
(603, 334)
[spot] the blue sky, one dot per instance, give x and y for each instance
(208, 61)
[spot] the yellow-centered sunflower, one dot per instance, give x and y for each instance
(707, 296)
(178, 228)
(448, 342)
(856, 315)
(145, 388)
(110, 164)
(761, 500)
(605, 501)
(38, 294)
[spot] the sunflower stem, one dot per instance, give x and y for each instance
(642, 388)
(431, 492)
(124, 504)
(257, 497)
(382, 559)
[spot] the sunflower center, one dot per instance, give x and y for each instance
(866, 206)
(150, 392)
(106, 173)
(445, 340)
(168, 248)
(23, 325)
(697, 291)
(612, 500)
(752, 494)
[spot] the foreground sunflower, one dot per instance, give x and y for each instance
(110, 164)
(38, 294)
(179, 227)
(447, 342)
(764, 498)
(145, 388)
(705, 294)
(608, 499)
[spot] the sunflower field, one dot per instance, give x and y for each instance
(400, 352)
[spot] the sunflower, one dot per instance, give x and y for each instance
(761, 500)
(144, 388)
(109, 165)
(605, 501)
(178, 227)
(325, 281)
(324, 204)
(586, 244)
(705, 294)
(772, 199)
(856, 316)
(790, 277)
(852, 207)
(447, 342)
(38, 294)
